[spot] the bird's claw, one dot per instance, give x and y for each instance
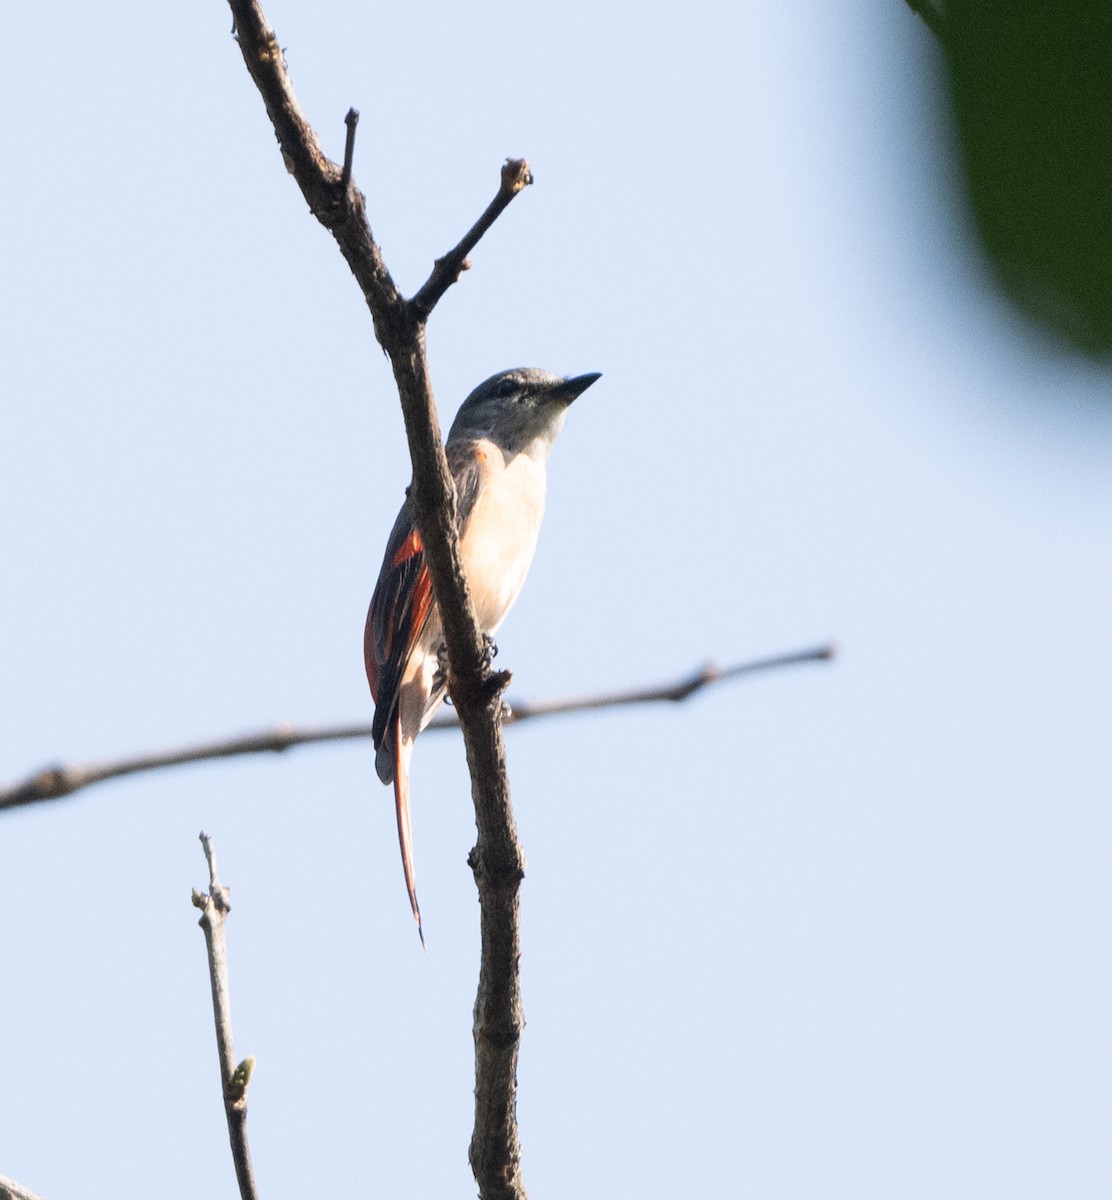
(440, 675)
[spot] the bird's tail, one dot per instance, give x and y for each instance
(403, 751)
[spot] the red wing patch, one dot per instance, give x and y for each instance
(399, 610)
(403, 596)
(411, 546)
(419, 604)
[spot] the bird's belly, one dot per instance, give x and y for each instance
(501, 537)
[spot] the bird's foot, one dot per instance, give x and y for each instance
(440, 675)
(497, 680)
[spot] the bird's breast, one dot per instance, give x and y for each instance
(501, 533)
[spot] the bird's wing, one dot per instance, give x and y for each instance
(467, 460)
(399, 609)
(403, 597)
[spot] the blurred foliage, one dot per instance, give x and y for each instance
(1031, 83)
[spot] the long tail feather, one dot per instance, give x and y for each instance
(403, 749)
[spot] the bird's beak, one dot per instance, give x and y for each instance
(568, 389)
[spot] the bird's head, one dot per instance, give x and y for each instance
(520, 410)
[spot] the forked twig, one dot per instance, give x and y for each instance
(476, 689)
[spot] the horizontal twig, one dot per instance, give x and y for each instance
(53, 783)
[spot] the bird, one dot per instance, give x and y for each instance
(497, 451)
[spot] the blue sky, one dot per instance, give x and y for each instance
(838, 932)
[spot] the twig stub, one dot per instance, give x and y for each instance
(351, 121)
(516, 174)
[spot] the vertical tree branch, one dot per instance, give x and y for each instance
(400, 328)
(214, 908)
(498, 864)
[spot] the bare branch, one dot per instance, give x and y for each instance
(54, 783)
(475, 689)
(214, 908)
(336, 203)
(675, 692)
(10, 1190)
(447, 270)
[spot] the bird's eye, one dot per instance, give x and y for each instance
(505, 389)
